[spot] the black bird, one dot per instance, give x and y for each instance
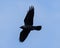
(28, 21)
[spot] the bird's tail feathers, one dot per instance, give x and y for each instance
(37, 27)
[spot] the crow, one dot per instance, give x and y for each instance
(28, 21)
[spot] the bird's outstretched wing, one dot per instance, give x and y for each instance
(29, 17)
(24, 34)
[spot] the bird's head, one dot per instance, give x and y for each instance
(22, 27)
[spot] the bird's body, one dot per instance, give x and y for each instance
(28, 25)
(31, 27)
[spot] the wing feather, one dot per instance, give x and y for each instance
(29, 17)
(23, 35)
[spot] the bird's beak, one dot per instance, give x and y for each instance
(21, 27)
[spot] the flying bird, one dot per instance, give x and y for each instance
(28, 27)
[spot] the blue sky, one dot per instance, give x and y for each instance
(47, 14)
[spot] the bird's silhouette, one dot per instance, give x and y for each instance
(28, 21)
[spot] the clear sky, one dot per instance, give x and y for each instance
(47, 14)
